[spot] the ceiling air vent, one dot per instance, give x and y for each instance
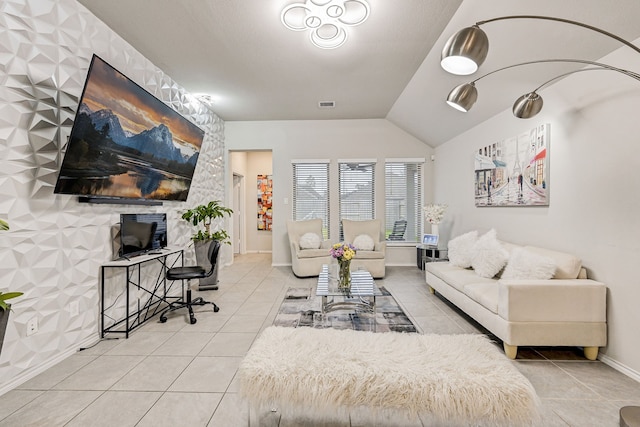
(326, 104)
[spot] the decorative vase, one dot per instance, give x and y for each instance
(344, 276)
(434, 229)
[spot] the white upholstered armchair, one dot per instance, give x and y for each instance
(308, 249)
(366, 236)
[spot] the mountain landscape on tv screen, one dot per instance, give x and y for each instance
(105, 160)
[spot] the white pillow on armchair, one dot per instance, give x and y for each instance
(364, 242)
(310, 241)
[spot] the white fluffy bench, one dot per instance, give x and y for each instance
(320, 372)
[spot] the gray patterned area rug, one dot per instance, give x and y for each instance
(302, 308)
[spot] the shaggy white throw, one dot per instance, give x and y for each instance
(321, 371)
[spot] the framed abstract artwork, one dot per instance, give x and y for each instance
(265, 195)
(514, 171)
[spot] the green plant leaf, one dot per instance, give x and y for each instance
(202, 215)
(7, 295)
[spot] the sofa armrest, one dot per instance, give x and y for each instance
(555, 300)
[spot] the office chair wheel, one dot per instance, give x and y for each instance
(193, 320)
(216, 309)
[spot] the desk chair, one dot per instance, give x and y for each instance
(188, 273)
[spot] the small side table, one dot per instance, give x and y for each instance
(430, 253)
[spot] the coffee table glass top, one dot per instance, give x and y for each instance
(362, 284)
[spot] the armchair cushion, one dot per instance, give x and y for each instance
(312, 253)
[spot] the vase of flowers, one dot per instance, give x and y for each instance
(343, 253)
(434, 214)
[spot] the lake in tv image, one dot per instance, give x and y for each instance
(127, 143)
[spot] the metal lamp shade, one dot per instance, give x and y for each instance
(527, 106)
(465, 51)
(462, 97)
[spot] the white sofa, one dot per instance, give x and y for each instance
(307, 261)
(566, 310)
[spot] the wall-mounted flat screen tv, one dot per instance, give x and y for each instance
(127, 144)
(140, 233)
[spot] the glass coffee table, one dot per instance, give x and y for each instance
(361, 296)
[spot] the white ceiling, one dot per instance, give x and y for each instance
(239, 52)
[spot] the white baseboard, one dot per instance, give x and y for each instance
(619, 367)
(258, 252)
(26, 375)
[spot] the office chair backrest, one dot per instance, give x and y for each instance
(214, 248)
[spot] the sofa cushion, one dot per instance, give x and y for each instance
(310, 241)
(567, 265)
(488, 255)
(364, 242)
(461, 249)
(524, 264)
(485, 294)
(454, 276)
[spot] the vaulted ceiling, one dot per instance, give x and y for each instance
(239, 53)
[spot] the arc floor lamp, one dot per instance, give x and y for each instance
(467, 49)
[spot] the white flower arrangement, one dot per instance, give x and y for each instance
(434, 212)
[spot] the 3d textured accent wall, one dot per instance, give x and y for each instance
(55, 247)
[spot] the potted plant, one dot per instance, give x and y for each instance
(5, 308)
(201, 216)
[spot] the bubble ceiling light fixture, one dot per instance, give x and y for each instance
(327, 20)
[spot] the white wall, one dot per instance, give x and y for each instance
(326, 139)
(55, 247)
(594, 207)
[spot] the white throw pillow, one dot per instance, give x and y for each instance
(488, 255)
(310, 241)
(364, 242)
(524, 264)
(461, 249)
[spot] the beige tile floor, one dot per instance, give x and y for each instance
(177, 374)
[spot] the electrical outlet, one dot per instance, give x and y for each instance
(32, 326)
(74, 308)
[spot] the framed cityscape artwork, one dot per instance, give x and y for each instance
(265, 195)
(514, 171)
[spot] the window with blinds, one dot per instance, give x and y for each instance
(311, 193)
(403, 200)
(356, 182)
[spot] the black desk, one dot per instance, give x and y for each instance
(150, 291)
